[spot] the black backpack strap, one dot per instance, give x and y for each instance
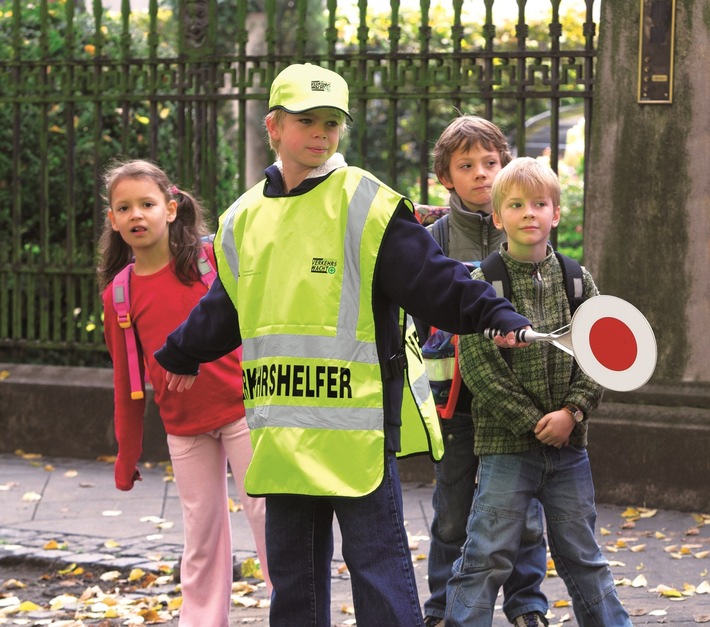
(440, 232)
(497, 275)
(574, 280)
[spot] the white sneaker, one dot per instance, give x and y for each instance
(530, 619)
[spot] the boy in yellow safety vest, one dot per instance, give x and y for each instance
(315, 265)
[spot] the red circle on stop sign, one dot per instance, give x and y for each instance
(613, 344)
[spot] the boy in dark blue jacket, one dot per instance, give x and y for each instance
(389, 260)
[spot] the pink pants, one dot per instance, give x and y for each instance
(200, 467)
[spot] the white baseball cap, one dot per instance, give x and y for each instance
(301, 87)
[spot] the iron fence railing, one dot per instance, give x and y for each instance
(188, 89)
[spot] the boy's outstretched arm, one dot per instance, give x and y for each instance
(209, 332)
(416, 275)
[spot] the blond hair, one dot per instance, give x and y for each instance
(528, 175)
(278, 115)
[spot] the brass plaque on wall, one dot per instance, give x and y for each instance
(657, 28)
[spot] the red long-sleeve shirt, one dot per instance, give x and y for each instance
(159, 303)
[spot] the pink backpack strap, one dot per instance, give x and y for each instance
(122, 305)
(204, 265)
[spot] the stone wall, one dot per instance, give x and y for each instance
(66, 412)
(648, 447)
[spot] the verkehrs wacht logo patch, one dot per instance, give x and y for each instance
(320, 86)
(324, 266)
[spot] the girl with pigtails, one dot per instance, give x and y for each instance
(160, 229)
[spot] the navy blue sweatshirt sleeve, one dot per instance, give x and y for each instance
(209, 332)
(412, 273)
(415, 274)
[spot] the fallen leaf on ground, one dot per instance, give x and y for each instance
(668, 592)
(630, 512)
(703, 588)
(136, 574)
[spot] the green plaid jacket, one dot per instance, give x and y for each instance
(508, 401)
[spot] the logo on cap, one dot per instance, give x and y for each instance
(320, 86)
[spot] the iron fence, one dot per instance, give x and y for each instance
(187, 87)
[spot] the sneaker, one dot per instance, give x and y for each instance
(433, 621)
(530, 619)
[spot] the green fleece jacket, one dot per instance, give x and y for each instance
(508, 401)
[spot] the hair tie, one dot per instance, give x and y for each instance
(174, 190)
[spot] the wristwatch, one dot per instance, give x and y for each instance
(574, 411)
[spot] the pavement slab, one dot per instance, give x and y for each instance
(660, 558)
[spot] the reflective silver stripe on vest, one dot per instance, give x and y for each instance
(315, 346)
(358, 211)
(420, 386)
(342, 347)
(229, 246)
(313, 417)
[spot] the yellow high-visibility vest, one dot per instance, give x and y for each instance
(300, 271)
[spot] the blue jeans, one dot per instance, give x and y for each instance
(299, 547)
(562, 480)
(453, 496)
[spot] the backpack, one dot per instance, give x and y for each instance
(441, 357)
(496, 273)
(122, 305)
(440, 351)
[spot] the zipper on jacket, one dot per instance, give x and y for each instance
(537, 291)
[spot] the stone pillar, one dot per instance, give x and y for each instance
(647, 240)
